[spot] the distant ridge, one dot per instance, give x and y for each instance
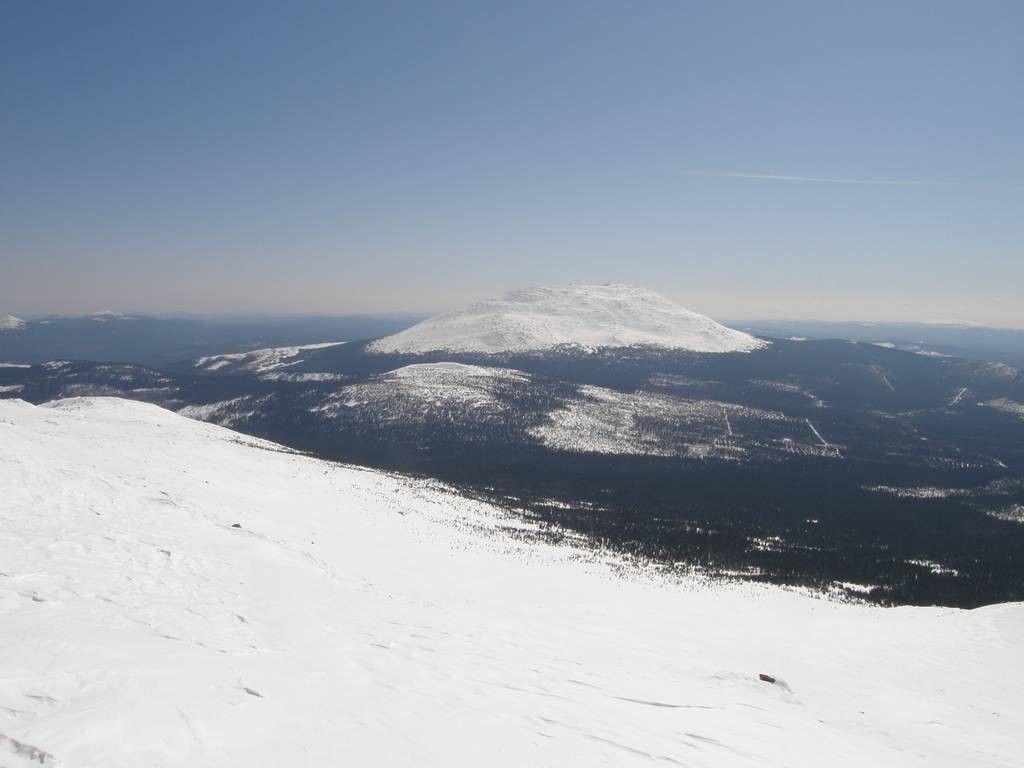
(11, 323)
(585, 316)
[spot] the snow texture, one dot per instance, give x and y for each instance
(588, 317)
(356, 618)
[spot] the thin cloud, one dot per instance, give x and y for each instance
(826, 179)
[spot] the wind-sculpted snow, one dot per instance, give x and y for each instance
(582, 316)
(258, 360)
(176, 594)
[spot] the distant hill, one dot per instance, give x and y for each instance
(583, 316)
(972, 342)
(159, 341)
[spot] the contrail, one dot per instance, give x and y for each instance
(828, 179)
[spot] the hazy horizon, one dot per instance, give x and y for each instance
(753, 317)
(796, 161)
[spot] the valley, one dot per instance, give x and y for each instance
(808, 463)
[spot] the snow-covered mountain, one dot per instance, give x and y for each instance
(510, 405)
(432, 394)
(11, 323)
(188, 596)
(108, 315)
(585, 316)
(649, 451)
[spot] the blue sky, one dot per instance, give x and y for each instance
(343, 157)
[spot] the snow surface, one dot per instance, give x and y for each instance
(644, 423)
(1003, 486)
(304, 376)
(107, 315)
(1000, 371)
(647, 423)
(585, 316)
(227, 412)
(357, 618)
(1006, 406)
(424, 392)
(1011, 514)
(259, 360)
(11, 323)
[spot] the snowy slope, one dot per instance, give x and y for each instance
(587, 316)
(479, 403)
(258, 360)
(108, 315)
(604, 420)
(360, 619)
(428, 392)
(11, 323)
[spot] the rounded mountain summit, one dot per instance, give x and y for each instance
(583, 316)
(11, 323)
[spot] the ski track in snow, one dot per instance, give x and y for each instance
(824, 443)
(959, 396)
(357, 618)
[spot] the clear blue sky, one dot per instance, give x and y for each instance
(340, 157)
